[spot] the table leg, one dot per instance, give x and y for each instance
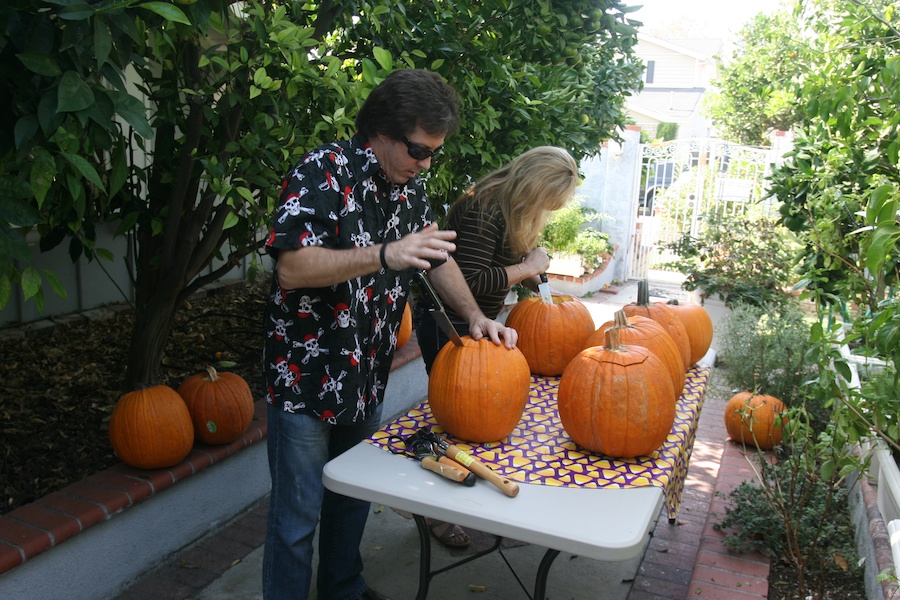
(540, 582)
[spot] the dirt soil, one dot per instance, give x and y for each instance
(59, 386)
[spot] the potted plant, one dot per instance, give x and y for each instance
(576, 246)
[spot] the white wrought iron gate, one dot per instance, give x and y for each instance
(682, 181)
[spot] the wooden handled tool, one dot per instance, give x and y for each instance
(445, 467)
(507, 486)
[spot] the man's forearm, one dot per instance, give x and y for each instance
(314, 266)
(449, 282)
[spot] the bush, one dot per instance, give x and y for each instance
(568, 231)
(739, 257)
(765, 349)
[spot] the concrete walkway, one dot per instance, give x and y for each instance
(682, 560)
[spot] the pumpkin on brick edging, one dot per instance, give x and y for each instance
(220, 405)
(477, 391)
(612, 400)
(754, 419)
(648, 334)
(151, 428)
(550, 333)
(665, 316)
(404, 333)
(698, 325)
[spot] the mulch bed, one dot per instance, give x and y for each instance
(59, 385)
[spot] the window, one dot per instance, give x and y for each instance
(648, 74)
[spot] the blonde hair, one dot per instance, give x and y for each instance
(527, 190)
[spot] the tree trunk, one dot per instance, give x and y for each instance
(153, 323)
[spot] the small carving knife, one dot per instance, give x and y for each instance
(438, 312)
(544, 289)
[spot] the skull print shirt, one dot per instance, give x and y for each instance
(328, 350)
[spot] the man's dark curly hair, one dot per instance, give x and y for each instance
(406, 99)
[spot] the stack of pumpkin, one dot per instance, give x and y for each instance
(612, 399)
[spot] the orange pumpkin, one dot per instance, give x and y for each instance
(478, 391)
(648, 334)
(665, 316)
(221, 405)
(151, 428)
(550, 333)
(753, 419)
(405, 331)
(697, 323)
(613, 401)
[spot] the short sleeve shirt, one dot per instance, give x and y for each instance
(328, 350)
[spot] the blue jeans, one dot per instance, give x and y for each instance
(298, 448)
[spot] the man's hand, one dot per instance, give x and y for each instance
(416, 250)
(496, 331)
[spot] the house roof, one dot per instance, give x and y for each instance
(667, 104)
(701, 49)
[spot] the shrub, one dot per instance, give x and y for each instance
(569, 231)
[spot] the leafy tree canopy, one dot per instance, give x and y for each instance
(176, 121)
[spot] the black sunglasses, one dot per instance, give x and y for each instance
(419, 152)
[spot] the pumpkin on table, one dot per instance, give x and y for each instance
(754, 419)
(665, 316)
(612, 400)
(220, 404)
(477, 391)
(550, 333)
(648, 334)
(698, 325)
(151, 428)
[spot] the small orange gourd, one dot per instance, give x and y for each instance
(405, 332)
(151, 428)
(698, 325)
(649, 334)
(477, 391)
(665, 316)
(550, 333)
(220, 404)
(612, 399)
(753, 419)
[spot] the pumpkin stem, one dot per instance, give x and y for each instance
(620, 319)
(643, 294)
(613, 343)
(212, 374)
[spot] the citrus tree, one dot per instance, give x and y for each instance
(176, 121)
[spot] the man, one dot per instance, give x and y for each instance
(353, 226)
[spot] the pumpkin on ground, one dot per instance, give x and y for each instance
(478, 391)
(613, 401)
(665, 316)
(753, 419)
(648, 334)
(151, 428)
(220, 404)
(550, 333)
(697, 323)
(405, 331)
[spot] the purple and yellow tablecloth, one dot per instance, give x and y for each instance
(540, 452)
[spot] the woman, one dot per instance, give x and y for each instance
(498, 223)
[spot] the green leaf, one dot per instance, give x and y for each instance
(13, 210)
(102, 41)
(169, 12)
(85, 168)
(73, 93)
(42, 64)
(5, 290)
(230, 221)
(43, 173)
(133, 111)
(76, 12)
(31, 282)
(55, 283)
(383, 57)
(25, 129)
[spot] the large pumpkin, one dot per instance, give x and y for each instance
(478, 391)
(550, 333)
(665, 316)
(753, 419)
(405, 331)
(648, 334)
(221, 405)
(697, 323)
(151, 428)
(613, 401)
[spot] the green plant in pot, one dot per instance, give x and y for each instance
(571, 231)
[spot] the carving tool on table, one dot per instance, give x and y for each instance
(422, 448)
(444, 447)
